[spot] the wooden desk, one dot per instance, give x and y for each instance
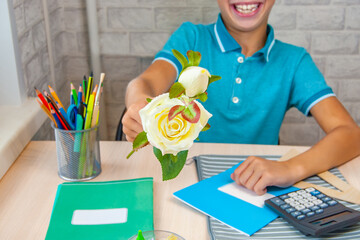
(28, 189)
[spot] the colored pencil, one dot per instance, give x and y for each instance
(88, 88)
(96, 111)
(53, 93)
(89, 111)
(74, 94)
(48, 113)
(63, 122)
(38, 93)
(80, 96)
(84, 85)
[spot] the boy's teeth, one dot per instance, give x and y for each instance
(246, 8)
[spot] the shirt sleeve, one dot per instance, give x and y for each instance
(308, 86)
(183, 39)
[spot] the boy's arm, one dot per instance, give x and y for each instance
(156, 79)
(341, 143)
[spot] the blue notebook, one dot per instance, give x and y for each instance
(235, 206)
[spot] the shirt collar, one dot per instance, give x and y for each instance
(227, 43)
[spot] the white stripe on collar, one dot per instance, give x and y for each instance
(218, 39)
(269, 49)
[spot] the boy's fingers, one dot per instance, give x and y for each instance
(253, 179)
(242, 167)
(246, 174)
(260, 187)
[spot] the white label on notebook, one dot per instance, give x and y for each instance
(99, 216)
(245, 194)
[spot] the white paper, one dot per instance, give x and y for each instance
(99, 216)
(245, 194)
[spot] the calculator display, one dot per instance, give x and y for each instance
(325, 220)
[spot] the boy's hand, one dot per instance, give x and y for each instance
(257, 173)
(131, 121)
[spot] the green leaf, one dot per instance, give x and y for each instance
(182, 59)
(214, 78)
(139, 142)
(202, 97)
(191, 113)
(176, 90)
(148, 100)
(171, 165)
(175, 110)
(194, 58)
(207, 127)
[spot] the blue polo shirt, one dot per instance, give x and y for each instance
(250, 101)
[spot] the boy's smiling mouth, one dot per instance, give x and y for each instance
(246, 9)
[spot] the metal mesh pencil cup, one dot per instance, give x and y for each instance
(78, 153)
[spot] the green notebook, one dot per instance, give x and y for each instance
(102, 210)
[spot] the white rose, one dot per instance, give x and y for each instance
(195, 80)
(170, 136)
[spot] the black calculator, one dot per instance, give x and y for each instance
(312, 212)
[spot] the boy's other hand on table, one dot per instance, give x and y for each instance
(257, 173)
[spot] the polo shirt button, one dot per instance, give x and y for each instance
(240, 59)
(238, 80)
(235, 100)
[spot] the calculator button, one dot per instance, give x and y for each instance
(294, 204)
(283, 197)
(305, 211)
(332, 202)
(301, 192)
(285, 206)
(298, 197)
(290, 210)
(314, 208)
(289, 200)
(326, 199)
(310, 189)
(317, 202)
(319, 211)
(320, 196)
(300, 217)
(323, 205)
(299, 207)
(303, 201)
(314, 193)
(309, 204)
(309, 214)
(312, 198)
(306, 195)
(293, 194)
(277, 201)
(296, 213)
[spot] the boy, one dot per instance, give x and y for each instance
(261, 79)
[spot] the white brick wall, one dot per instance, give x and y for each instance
(132, 31)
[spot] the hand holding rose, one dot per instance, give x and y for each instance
(172, 121)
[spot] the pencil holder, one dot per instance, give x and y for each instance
(78, 153)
